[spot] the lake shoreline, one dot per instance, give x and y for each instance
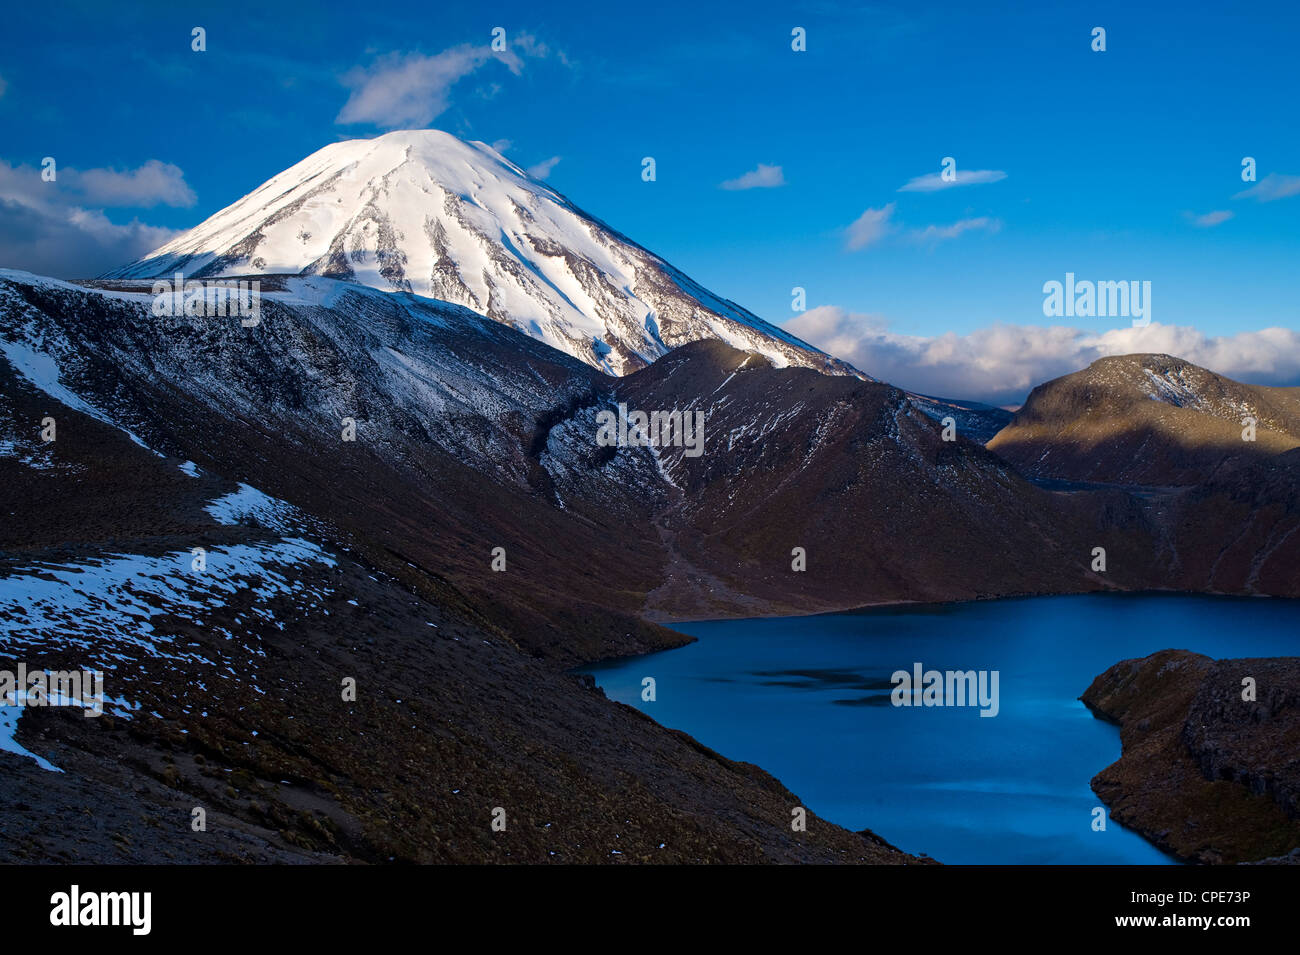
(744, 685)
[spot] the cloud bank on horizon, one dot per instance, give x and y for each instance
(51, 227)
(1000, 364)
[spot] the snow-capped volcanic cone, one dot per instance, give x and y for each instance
(421, 211)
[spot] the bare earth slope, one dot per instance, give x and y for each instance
(860, 479)
(225, 695)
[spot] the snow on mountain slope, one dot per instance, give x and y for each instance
(403, 368)
(421, 211)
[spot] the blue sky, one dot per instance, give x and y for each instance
(1109, 165)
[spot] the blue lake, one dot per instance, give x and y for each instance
(807, 698)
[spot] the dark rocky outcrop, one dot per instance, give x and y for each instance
(1205, 774)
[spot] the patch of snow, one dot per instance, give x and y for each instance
(104, 607)
(42, 371)
(248, 505)
(9, 716)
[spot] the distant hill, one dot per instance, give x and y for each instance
(1149, 420)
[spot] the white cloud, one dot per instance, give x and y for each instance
(932, 182)
(940, 233)
(543, 168)
(1209, 220)
(764, 177)
(1271, 188)
(531, 46)
(154, 183)
(501, 145)
(875, 224)
(44, 228)
(1002, 363)
(411, 90)
(870, 227)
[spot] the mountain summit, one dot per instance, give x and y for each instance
(421, 211)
